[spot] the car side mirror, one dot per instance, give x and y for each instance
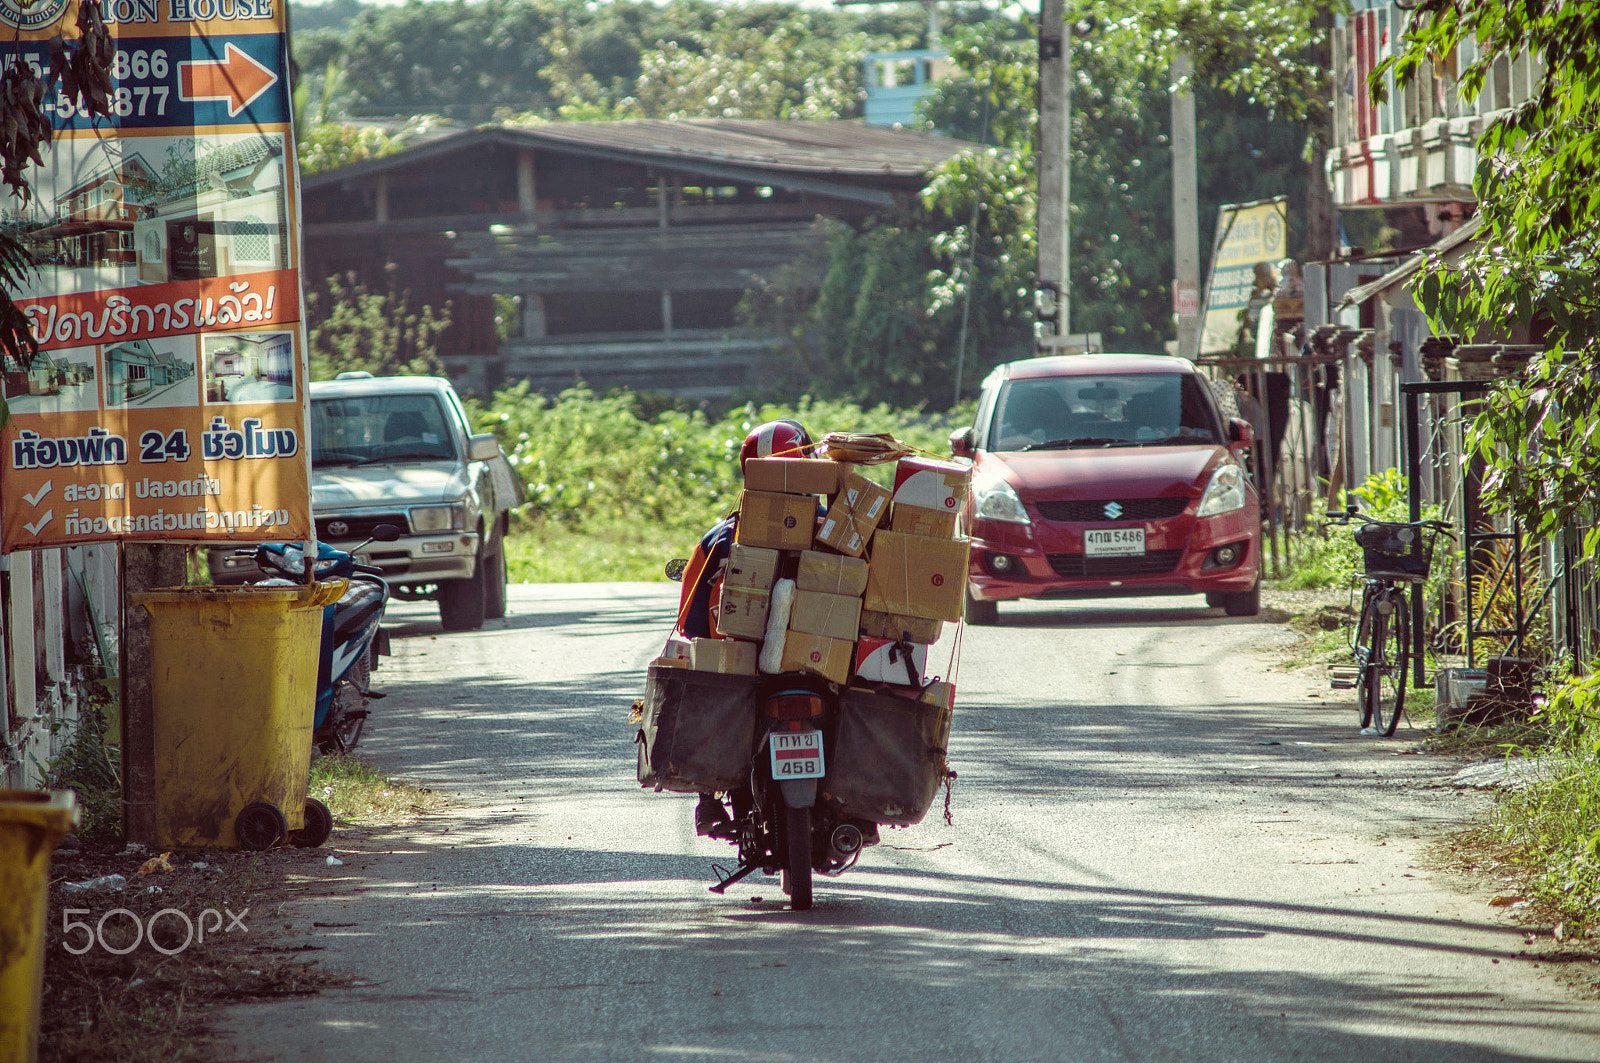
(483, 447)
(676, 567)
(1240, 435)
(385, 533)
(961, 443)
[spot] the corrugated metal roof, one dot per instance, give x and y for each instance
(838, 148)
(1403, 272)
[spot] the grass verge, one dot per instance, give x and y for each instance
(358, 792)
(551, 553)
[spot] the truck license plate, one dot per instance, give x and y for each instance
(1113, 542)
(796, 755)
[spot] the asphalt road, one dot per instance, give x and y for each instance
(1164, 848)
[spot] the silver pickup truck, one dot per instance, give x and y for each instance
(399, 450)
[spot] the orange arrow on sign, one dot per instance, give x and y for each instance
(236, 78)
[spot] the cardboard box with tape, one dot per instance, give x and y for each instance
(793, 476)
(750, 566)
(859, 508)
(892, 626)
(775, 521)
(730, 656)
(917, 576)
(915, 520)
(831, 573)
(891, 661)
(742, 612)
(836, 616)
(929, 484)
(818, 655)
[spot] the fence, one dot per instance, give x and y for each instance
(59, 627)
(1292, 404)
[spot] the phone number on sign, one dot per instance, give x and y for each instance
(127, 101)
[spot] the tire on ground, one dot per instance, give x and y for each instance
(494, 585)
(981, 612)
(462, 601)
(1245, 603)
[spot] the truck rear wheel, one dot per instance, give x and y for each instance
(494, 583)
(462, 601)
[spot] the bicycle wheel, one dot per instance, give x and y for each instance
(1383, 677)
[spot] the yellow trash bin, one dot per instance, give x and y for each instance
(31, 823)
(234, 685)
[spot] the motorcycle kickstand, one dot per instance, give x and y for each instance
(724, 879)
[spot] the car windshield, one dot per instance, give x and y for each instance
(1112, 410)
(369, 429)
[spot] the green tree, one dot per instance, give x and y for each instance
(353, 328)
(1536, 263)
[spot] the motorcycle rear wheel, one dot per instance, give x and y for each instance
(797, 862)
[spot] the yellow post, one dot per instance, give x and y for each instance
(31, 823)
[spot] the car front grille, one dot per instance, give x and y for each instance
(357, 528)
(1078, 566)
(1094, 512)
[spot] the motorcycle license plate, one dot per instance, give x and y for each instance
(796, 755)
(1113, 542)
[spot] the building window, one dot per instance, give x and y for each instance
(252, 240)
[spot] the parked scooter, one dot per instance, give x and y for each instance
(352, 636)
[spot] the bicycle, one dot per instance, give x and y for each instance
(1394, 555)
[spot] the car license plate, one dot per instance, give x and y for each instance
(1113, 542)
(796, 755)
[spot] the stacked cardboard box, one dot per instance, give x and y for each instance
(918, 574)
(872, 583)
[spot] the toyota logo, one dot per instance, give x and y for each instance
(337, 528)
(1113, 510)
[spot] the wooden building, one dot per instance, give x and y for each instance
(611, 252)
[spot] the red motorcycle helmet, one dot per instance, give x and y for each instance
(777, 439)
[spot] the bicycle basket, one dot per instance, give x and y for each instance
(1397, 551)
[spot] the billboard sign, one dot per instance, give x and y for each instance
(168, 397)
(1248, 234)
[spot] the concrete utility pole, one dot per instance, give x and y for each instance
(1185, 211)
(1053, 297)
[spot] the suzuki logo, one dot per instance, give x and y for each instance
(1113, 510)
(336, 528)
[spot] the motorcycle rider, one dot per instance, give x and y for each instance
(702, 587)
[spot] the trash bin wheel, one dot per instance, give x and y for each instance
(319, 824)
(260, 825)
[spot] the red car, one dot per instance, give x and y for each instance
(1108, 475)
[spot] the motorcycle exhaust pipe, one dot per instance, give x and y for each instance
(846, 841)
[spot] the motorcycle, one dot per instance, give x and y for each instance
(779, 825)
(352, 636)
(811, 769)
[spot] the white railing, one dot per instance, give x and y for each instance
(1420, 142)
(59, 623)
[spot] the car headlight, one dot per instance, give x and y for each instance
(995, 499)
(1225, 493)
(439, 518)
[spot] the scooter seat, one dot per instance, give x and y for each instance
(356, 610)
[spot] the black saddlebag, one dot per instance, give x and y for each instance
(888, 757)
(698, 731)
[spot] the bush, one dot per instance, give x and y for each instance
(1551, 829)
(1328, 556)
(617, 483)
(587, 459)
